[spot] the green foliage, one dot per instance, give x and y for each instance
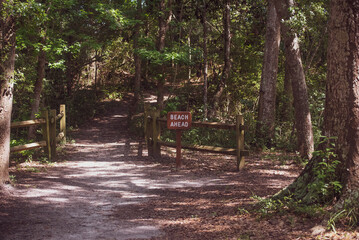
(242, 211)
(77, 32)
(268, 207)
(112, 92)
(178, 54)
(198, 136)
(326, 184)
(347, 213)
(12, 179)
(81, 107)
(26, 155)
(173, 104)
(210, 137)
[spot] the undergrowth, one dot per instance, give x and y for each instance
(320, 195)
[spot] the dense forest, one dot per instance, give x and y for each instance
(291, 69)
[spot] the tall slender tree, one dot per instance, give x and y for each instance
(41, 62)
(163, 23)
(303, 120)
(137, 61)
(205, 60)
(267, 93)
(227, 51)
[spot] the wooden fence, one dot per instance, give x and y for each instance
(152, 128)
(48, 123)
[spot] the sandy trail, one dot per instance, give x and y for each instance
(106, 170)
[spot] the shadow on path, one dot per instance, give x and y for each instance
(108, 188)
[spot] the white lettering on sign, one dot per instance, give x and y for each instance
(179, 120)
(179, 117)
(179, 124)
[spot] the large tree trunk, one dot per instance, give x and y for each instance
(267, 94)
(37, 88)
(164, 21)
(342, 92)
(341, 116)
(296, 74)
(7, 61)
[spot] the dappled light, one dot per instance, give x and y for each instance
(109, 187)
(179, 119)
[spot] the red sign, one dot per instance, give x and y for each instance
(179, 120)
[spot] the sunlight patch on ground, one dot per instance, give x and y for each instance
(119, 116)
(35, 192)
(57, 199)
(276, 172)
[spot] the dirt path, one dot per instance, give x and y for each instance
(108, 188)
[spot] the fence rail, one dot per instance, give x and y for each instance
(48, 123)
(152, 125)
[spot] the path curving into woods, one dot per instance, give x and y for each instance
(106, 187)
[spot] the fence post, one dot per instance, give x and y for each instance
(52, 127)
(240, 141)
(145, 121)
(46, 132)
(148, 129)
(150, 136)
(156, 133)
(63, 121)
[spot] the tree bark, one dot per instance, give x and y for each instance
(341, 115)
(7, 61)
(227, 41)
(163, 23)
(303, 120)
(205, 62)
(37, 88)
(267, 94)
(227, 52)
(137, 60)
(180, 17)
(288, 96)
(70, 68)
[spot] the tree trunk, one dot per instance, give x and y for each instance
(7, 61)
(227, 52)
(164, 21)
(137, 59)
(296, 74)
(70, 68)
(37, 88)
(70, 76)
(189, 54)
(288, 96)
(205, 63)
(227, 41)
(180, 17)
(267, 94)
(341, 115)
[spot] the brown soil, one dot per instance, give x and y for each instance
(104, 186)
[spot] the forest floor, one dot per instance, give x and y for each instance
(104, 186)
